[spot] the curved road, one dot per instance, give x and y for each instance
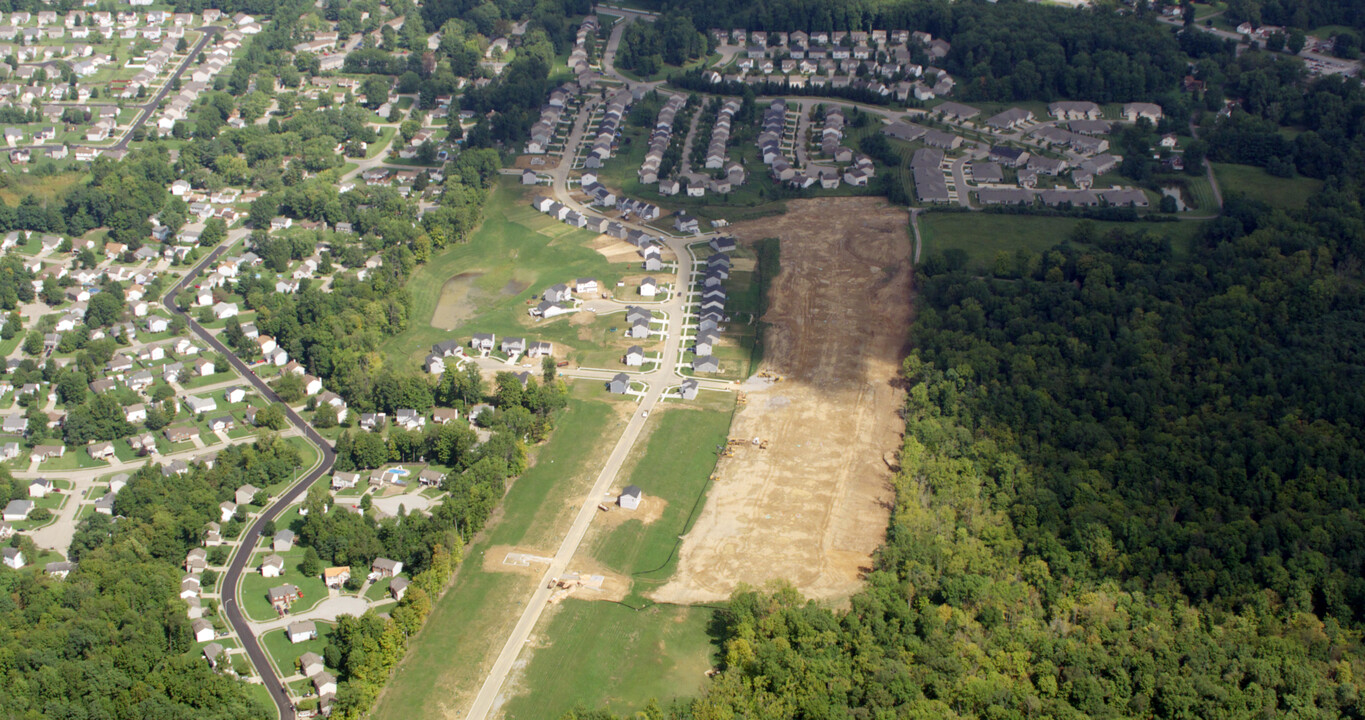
(239, 561)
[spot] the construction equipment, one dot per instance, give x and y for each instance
(763, 445)
(741, 398)
(733, 442)
(728, 453)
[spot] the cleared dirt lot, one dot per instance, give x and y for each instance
(813, 506)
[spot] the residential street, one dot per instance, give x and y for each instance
(251, 536)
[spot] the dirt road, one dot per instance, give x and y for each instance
(812, 507)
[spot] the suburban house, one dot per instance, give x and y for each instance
(619, 385)
(283, 541)
(272, 566)
(13, 558)
(629, 498)
(283, 596)
(384, 567)
(301, 631)
(706, 364)
(398, 587)
(310, 664)
(335, 577)
(244, 494)
(196, 560)
(203, 630)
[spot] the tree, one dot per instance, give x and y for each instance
(376, 90)
(33, 343)
(1296, 41)
(271, 417)
(311, 565)
(325, 416)
(104, 309)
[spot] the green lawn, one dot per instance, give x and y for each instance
(286, 654)
(1256, 184)
(472, 620)
(983, 235)
(510, 260)
(608, 656)
(254, 587)
(378, 591)
(380, 144)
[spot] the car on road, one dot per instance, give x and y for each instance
(644, 414)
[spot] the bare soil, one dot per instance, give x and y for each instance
(495, 560)
(454, 306)
(614, 250)
(811, 508)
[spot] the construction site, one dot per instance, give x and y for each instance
(801, 493)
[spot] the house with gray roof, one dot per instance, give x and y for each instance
(705, 364)
(1009, 119)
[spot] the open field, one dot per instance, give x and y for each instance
(661, 651)
(1257, 184)
(608, 656)
(983, 235)
(447, 659)
(812, 507)
(484, 285)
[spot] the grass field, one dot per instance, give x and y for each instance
(1256, 184)
(511, 258)
(983, 235)
(674, 466)
(44, 188)
(468, 625)
(660, 652)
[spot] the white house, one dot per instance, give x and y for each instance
(203, 630)
(272, 566)
(302, 631)
(630, 498)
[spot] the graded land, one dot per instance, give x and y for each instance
(811, 508)
(447, 659)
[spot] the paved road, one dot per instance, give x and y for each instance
(664, 374)
(145, 109)
(230, 606)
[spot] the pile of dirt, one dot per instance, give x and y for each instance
(812, 507)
